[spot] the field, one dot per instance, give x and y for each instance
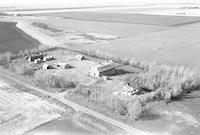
(60, 127)
(13, 39)
(21, 112)
(127, 18)
(163, 41)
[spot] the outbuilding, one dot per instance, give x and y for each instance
(63, 65)
(47, 66)
(80, 57)
(37, 60)
(48, 58)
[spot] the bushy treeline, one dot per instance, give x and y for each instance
(8, 56)
(46, 79)
(3, 14)
(101, 96)
(8, 61)
(167, 82)
(27, 52)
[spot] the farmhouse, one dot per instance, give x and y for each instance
(48, 58)
(37, 60)
(103, 70)
(34, 57)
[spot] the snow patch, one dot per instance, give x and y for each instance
(35, 33)
(20, 112)
(187, 118)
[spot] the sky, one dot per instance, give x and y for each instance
(82, 3)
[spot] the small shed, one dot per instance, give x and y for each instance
(47, 66)
(106, 77)
(103, 70)
(63, 65)
(45, 59)
(80, 57)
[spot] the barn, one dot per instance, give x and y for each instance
(103, 70)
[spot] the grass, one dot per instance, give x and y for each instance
(98, 124)
(7, 57)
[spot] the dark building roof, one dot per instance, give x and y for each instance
(36, 56)
(106, 67)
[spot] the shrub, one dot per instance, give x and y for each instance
(82, 91)
(93, 93)
(135, 109)
(100, 95)
(121, 106)
(49, 80)
(26, 71)
(20, 68)
(5, 58)
(27, 52)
